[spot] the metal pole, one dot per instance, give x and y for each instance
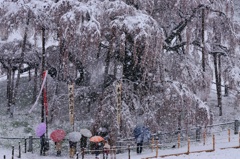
(30, 144)
(42, 151)
(129, 155)
(236, 126)
(12, 152)
(19, 147)
(25, 145)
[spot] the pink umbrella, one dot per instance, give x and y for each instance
(41, 129)
(57, 135)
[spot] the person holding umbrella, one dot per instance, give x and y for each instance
(57, 136)
(97, 144)
(58, 146)
(85, 134)
(97, 149)
(74, 137)
(73, 147)
(40, 132)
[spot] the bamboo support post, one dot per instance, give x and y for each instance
(229, 135)
(204, 137)
(179, 140)
(188, 150)
(213, 142)
(152, 146)
(156, 148)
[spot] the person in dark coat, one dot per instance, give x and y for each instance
(42, 143)
(97, 149)
(139, 143)
(83, 142)
(142, 135)
(73, 147)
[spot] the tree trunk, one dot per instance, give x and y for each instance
(203, 39)
(35, 85)
(9, 89)
(107, 63)
(218, 80)
(219, 86)
(60, 58)
(29, 75)
(22, 58)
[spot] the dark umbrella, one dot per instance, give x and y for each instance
(41, 129)
(57, 135)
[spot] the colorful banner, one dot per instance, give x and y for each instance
(71, 103)
(45, 102)
(40, 92)
(119, 100)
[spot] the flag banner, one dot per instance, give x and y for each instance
(71, 103)
(43, 83)
(45, 102)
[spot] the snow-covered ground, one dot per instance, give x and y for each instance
(230, 153)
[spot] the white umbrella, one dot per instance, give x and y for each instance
(86, 132)
(74, 136)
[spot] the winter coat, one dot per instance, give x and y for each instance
(142, 134)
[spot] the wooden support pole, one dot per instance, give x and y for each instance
(4, 157)
(152, 146)
(229, 135)
(213, 142)
(156, 150)
(179, 140)
(188, 150)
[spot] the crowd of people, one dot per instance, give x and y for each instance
(141, 134)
